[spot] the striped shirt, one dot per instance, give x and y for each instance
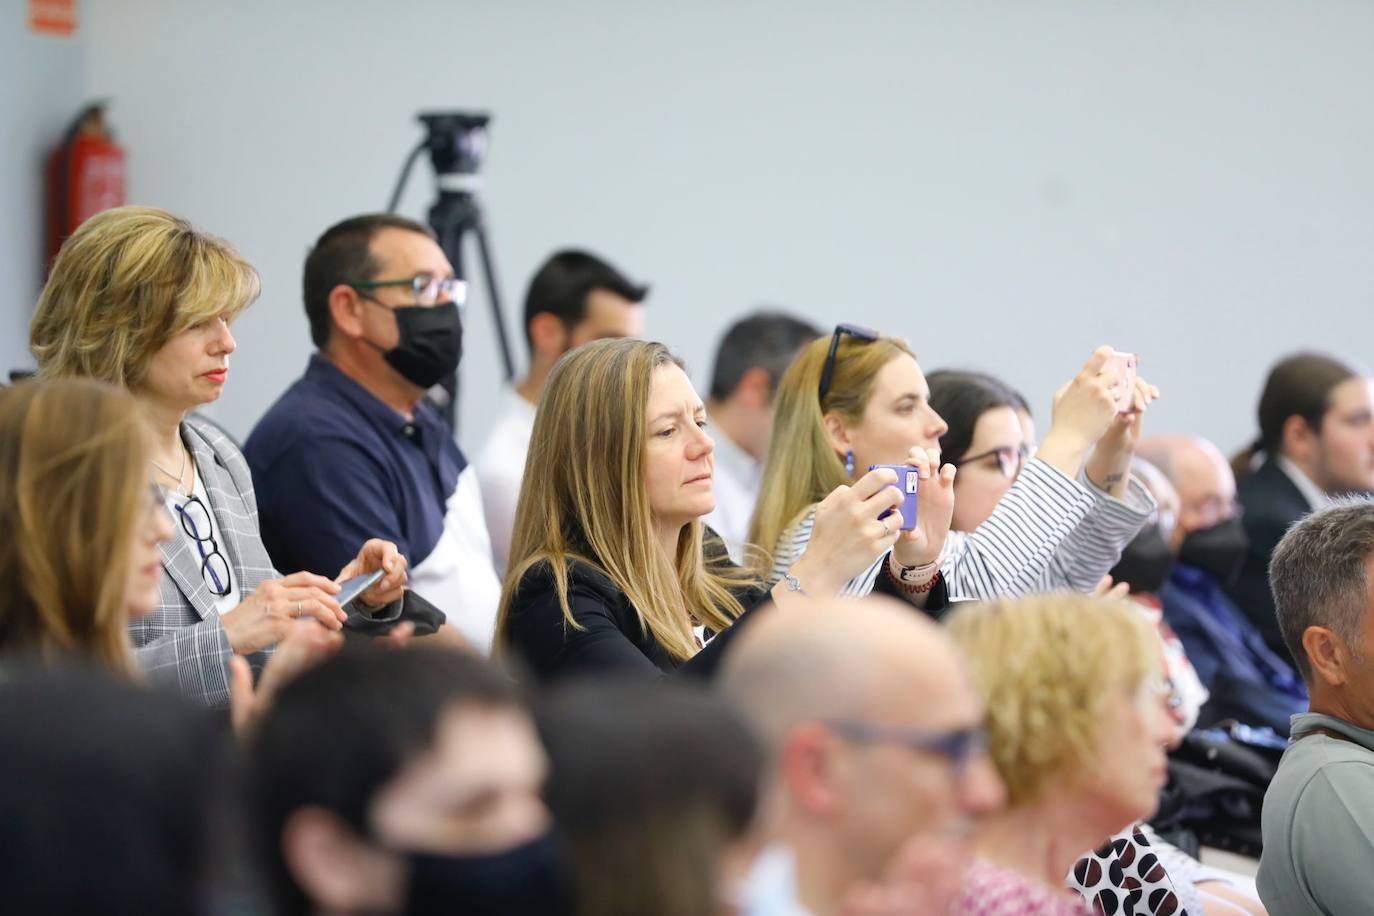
(1048, 532)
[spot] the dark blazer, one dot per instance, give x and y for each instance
(613, 641)
(1272, 503)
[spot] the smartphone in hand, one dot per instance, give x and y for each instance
(908, 482)
(352, 589)
(1124, 364)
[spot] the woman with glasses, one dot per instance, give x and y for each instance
(860, 399)
(1078, 724)
(139, 298)
(611, 569)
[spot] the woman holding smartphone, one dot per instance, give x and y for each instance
(611, 568)
(139, 298)
(860, 398)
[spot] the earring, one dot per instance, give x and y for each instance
(849, 462)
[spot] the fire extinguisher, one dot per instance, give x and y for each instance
(85, 176)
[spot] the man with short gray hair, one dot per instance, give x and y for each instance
(1318, 818)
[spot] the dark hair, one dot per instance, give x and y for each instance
(960, 397)
(1298, 385)
(1319, 576)
(648, 785)
(108, 797)
(768, 340)
(336, 735)
(344, 255)
(561, 286)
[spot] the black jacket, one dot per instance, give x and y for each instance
(1272, 503)
(613, 641)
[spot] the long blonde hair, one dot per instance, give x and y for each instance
(802, 466)
(126, 282)
(584, 498)
(72, 454)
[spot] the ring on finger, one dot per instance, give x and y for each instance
(886, 530)
(300, 608)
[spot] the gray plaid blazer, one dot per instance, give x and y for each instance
(182, 644)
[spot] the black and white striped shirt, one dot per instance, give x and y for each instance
(1048, 532)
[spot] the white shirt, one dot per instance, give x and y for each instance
(501, 468)
(226, 603)
(1316, 497)
(457, 576)
(736, 485)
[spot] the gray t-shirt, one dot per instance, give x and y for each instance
(1318, 822)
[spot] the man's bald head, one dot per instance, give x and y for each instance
(844, 659)
(1201, 475)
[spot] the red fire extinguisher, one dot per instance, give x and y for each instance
(85, 176)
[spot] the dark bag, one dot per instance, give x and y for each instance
(1217, 781)
(413, 607)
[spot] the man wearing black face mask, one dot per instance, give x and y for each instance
(1247, 680)
(403, 784)
(353, 446)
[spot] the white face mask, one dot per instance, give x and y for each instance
(770, 887)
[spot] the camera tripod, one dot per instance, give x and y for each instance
(457, 144)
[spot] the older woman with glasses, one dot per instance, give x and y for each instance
(861, 399)
(139, 298)
(1078, 724)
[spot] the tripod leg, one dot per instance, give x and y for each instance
(498, 321)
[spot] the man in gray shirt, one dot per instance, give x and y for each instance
(1318, 816)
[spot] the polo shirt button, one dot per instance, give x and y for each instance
(409, 431)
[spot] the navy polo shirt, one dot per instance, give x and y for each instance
(334, 466)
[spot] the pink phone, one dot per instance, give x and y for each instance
(1124, 364)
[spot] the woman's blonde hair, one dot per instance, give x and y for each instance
(1045, 668)
(72, 486)
(126, 282)
(584, 498)
(802, 466)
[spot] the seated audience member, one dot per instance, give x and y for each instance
(139, 298)
(386, 782)
(874, 737)
(655, 793)
(1316, 441)
(352, 447)
(1318, 839)
(750, 360)
(1078, 725)
(1246, 679)
(111, 797)
(861, 399)
(611, 568)
(574, 297)
(83, 523)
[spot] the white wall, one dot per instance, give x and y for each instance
(42, 87)
(1006, 183)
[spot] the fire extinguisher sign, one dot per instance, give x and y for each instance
(52, 17)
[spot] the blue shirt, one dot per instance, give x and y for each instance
(334, 466)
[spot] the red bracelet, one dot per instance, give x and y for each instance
(913, 589)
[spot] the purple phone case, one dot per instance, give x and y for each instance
(908, 481)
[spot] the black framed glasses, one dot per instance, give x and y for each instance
(427, 290)
(828, 370)
(959, 745)
(1010, 459)
(214, 568)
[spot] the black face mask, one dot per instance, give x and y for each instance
(431, 343)
(528, 878)
(1145, 562)
(1219, 551)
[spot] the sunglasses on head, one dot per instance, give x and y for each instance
(853, 330)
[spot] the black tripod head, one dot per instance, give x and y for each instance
(457, 140)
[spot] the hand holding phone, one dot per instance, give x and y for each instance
(352, 589)
(1124, 365)
(908, 482)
